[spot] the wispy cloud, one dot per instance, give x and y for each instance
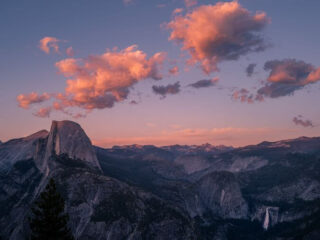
(190, 3)
(250, 69)
(168, 89)
(127, 2)
(243, 95)
(43, 112)
(25, 100)
(300, 121)
(48, 43)
(204, 83)
(70, 52)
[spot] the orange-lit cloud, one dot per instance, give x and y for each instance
(216, 136)
(48, 43)
(25, 100)
(100, 81)
(287, 76)
(220, 32)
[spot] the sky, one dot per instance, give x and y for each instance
(161, 72)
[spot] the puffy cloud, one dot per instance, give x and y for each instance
(204, 83)
(70, 52)
(43, 112)
(190, 3)
(250, 69)
(174, 70)
(100, 81)
(25, 100)
(244, 96)
(301, 122)
(286, 76)
(48, 43)
(165, 90)
(220, 32)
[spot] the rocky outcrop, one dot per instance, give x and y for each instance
(219, 194)
(20, 149)
(66, 137)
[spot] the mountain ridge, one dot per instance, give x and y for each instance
(265, 191)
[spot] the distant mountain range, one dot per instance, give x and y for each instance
(265, 191)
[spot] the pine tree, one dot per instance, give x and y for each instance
(49, 220)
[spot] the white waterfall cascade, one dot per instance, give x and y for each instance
(266, 219)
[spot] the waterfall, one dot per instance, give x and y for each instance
(266, 219)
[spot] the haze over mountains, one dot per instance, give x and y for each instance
(265, 191)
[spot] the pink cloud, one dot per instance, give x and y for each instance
(48, 43)
(215, 33)
(43, 112)
(25, 100)
(287, 76)
(174, 70)
(244, 96)
(70, 52)
(177, 11)
(100, 81)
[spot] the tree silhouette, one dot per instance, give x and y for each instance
(49, 220)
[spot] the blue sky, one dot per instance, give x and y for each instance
(91, 27)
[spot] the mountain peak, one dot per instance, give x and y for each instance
(37, 135)
(67, 137)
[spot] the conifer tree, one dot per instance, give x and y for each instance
(49, 220)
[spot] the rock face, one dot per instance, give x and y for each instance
(20, 149)
(267, 191)
(68, 137)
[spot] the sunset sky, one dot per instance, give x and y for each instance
(161, 72)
